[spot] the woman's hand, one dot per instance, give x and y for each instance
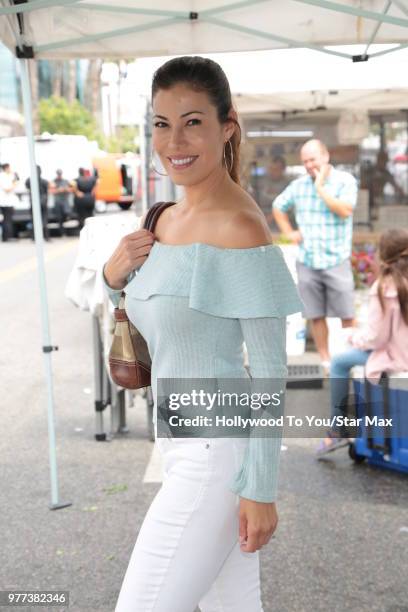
(257, 523)
(129, 255)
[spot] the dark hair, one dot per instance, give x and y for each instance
(203, 74)
(393, 251)
(5, 166)
(278, 159)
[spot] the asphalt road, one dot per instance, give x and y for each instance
(342, 539)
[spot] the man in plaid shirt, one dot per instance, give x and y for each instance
(323, 201)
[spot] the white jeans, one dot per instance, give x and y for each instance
(187, 552)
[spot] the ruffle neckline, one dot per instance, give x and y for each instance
(211, 246)
(225, 282)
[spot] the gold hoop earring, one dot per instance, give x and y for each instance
(153, 167)
(231, 155)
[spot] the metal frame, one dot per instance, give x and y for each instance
(106, 393)
(47, 347)
(377, 27)
(349, 10)
(34, 6)
(208, 16)
(387, 51)
(323, 4)
(401, 6)
(268, 36)
(131, 10)
(105, 35)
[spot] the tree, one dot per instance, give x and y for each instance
(123, 141)
(72, 80)
(93, 85)
(57, 68)
(33, 72)
(57, 116)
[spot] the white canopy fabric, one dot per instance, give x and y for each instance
(322, 103)
(296, 81)
(136, 28)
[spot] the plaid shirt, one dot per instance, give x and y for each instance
(327, 237)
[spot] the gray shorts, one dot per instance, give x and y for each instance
(327, 293)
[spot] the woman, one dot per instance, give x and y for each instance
(209, 279)
(382, 345)
(8, 200)
(84, 196)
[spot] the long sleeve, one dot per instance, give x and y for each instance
(265, 339)
(255, 288)
(114, 294)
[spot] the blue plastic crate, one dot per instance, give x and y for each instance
(389, 399)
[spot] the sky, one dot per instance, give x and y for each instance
(277, 71)
(295, 70)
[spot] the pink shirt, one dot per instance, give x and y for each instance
(386, 334)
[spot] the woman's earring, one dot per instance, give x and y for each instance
(231, 155)
(154, 167)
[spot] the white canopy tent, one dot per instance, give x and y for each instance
(62, 29)
(293, 81)
(330, 102)
(103, 28)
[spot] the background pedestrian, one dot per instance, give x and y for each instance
(323, 201)
(84, 196)
(43, 186)
(8, 199)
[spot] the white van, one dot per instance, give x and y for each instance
(52, 152)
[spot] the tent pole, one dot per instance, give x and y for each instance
(377, 27)
(406, 148)
(148, 156)
(144, 158)
(38, 234)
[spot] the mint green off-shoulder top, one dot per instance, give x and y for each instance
(195, 305)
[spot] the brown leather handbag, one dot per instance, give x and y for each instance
(129, 359)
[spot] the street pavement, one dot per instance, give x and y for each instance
(342, 539)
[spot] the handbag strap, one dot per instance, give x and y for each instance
(154, 213)
(151, 219)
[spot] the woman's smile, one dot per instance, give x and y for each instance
(181, 162)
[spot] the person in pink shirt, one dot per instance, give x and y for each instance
(382, 345)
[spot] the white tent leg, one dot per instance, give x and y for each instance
(142, 152)
(144, 158)
(38, 234)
